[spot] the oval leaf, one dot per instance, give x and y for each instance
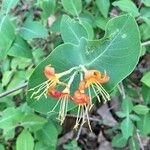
(74, 7)
(141, 109)
(33, 29)
(25, 141)
(72, 31)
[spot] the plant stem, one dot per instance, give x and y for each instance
(145, 43)
(21, 86)
(139, 139)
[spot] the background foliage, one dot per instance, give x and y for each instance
(35, 33)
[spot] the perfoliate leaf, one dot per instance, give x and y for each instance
(25, 141)
(74, 7)
(103, 6)
(117, 53)
(127, 6)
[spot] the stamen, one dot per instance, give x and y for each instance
(96, 93)
(104, 91)
(54, 107)
(45, 85)
(87, 116)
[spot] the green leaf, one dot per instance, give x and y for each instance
(89, 29)
(146, 79)
(20, 48)
(41, 146)
(7, 34)
(33, 29)
(134, 117)
(20, 63)
(141, 109)
(146, 3)
(88, 17)
(18, 78)
(6, 77)
(25, 141)
(119, 141)
(9, 120)
(145, 14)
(127, 128)
(73, 145)
(72, 31)
(127, 6)
(121, 114)
(127, 105)
(145, 31)
(101, 22)
(2, 147)
(56, 25)
(32, 121)
(10, 117)
(74, 7)
(103, 6)
(48, 134)
(117, 53)
(8, 4)
(144, 123)
(146, 94)
(133, 144)
(48, 7)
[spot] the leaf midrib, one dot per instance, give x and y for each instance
(110, 44)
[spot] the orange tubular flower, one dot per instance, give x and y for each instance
(83, 101)
(63, 98)
(51, 82)
(94, 79)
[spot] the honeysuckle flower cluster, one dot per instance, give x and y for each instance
(89, 80)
